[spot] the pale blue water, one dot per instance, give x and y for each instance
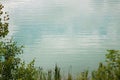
(73, 34)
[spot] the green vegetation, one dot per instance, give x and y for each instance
(3, 22)
(13, 68)
(111, 69)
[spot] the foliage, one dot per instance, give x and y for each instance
(49, 75)
(111, 69)
(11, 66)
(41, 75)
(26, 72)
(4, 17)
(57, 75)
(8, 59)
(83, 76)
(69, 76)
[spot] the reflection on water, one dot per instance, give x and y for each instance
(70, 33)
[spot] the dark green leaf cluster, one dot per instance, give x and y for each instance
(3, 22)
(9, 62)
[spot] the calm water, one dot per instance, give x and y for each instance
(74, 34)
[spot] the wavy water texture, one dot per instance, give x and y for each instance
(75, 33)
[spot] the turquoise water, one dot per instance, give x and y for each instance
(73, 34)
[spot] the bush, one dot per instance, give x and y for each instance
(111, 69)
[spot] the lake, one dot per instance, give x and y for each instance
(73, 34)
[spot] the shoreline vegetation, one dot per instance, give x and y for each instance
(13, 68)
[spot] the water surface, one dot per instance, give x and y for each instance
(73, 34)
